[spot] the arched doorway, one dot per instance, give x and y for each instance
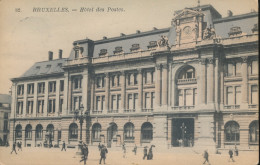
(232, 133)
(49, 137)
(28, 135)
(111, 134)
(18, 132)
(254, 133)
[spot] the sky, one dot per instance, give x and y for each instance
(27, 36)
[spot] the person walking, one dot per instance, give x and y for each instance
(103, 153)
(150, 153)
(14, 148)
(63, 146)
(206, 157)
(230, 152)
(236, 151)
(135, 149)
(145, 153)
(85, 152)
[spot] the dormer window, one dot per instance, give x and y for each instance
(103, 52)
(78, 51)
(135, 47)
(152, 44)
(118, 49)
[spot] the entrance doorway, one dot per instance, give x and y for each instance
(182, 132)
(111, 134)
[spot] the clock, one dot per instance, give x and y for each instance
(187, 30)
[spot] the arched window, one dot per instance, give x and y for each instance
(28, 132)
(50, 131)
(129, 131)
(73, 131)
(254, 132)
(18, 131)
(96, 130)
(147, 131)
(38, 132)
(232, 133)
(187, 73)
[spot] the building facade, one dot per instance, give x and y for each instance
(192, 84)
(5, 111)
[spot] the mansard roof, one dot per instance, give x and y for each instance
(5, 99)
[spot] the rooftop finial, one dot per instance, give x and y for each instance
(198, 3)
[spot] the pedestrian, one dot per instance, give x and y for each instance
(103, 153)
(230, 152)
(14, 148)
(99, 146)
(63, 146)
(124, 151)
(135, 149)
(206, 157)
(236, 151)
(145, 152)
(19, 145)
(150, 153)
(84, 151)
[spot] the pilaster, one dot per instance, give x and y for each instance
(202, 83)
(158, 85)
(35, 100)
(210, 81)
(244, 87)
(107, 90)
(164, 84)
(123, 91)
(46, 93)
(25, 100)
(57, 98)
(140, 90)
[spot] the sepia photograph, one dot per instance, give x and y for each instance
(129, 82)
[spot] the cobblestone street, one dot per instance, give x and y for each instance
(45, 156)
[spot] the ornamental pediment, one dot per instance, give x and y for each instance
(187, 13)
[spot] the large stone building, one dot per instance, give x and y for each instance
(192, 84)
(5, 111)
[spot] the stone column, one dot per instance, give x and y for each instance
(107, 90)
(14, 101)
(164, 84)
(222, 86)
(57, 98)
(69, 95)
(244, 87)
(158, 85)
(92, 92)
(25, 100)
(160, 132)
(217, 84)
(140, 90)
(202, 83)
(35, 100)
(210, 81)
(85, 89)
(46, 93)
(65, 96)
(123, 94)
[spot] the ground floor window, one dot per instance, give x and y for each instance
(129, 131)
(254, 132)
(28, 132)
(96, 130)
(147, 131)
(73, 131)
(38, 132)
(232, 133)
(18, 131)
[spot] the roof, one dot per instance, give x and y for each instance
(5, 99)
(45, 67)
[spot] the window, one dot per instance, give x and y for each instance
(41, 88)
(188, 97)
(187, 73)
(61, 85)
(115, 102)
(38, 132)
(254, 67)
(28, 132)
(76, 54)
(20, 89)
(100, 82)
(5, 115)
(18, 131)
(19, 107)
(230, 69)
(50, 131)
(254, 94)
(52, 86)
(100, 102)
(40, 106)
(130, 101)
(96, 130)
(118, 80)
(254, 132)
(73, 131)
(230, 97)
(77, 83)
(135, 79)
(232, 132)
(113, 80)
(77, 101)
(238, 95)
(153, 99)
(147, 131)
(5, 125)
(51, 106)
(132, 79)
(238, 69)
(129, 131)
(29, 109)
(195, 96)
(234, 69)
(61, 105)
(180, 96)
(30, 89)
(59, 135)
(147, 103)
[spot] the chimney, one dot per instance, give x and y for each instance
(60, 54)
(50, 55)
(229, 13)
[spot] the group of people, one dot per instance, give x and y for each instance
(103, 152)
(230, 152)
(148, 155)
(18, 144)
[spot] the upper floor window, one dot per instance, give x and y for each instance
(254, 94)
(132, 79)
(234, 69)
(30, 88)
(20, 89)
(77, 83)
(115, 102)
(100, 102)
(61, 106)
(149, 77)
(52, 86)
(5, 115)
(77, 101)
(29, 109)
(61, 85)
(254, 68)
(132, 100)
(187, 97)
(115, 80)
(51, 106)
(233, 95)
(19, 109)
(149, 100)
(187, 73)
(41, 87)
(40, 106)
(100, 82)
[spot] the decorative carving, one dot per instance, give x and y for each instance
(178, 35)
(140, 70)
(103, 52)
(135, 47)
(158, 66)
(255, 28)
(210, 60)
(107, 74)
(209, 33)
(118, 49)
(244, 59)
(163, 42)
(235, 31)
(203, 61)
(152, 44)
(195, 30)
(164, 66)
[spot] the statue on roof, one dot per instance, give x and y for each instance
(163, 42)
(209, 33)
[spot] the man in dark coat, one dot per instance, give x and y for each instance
(63, 146)
(145, 152)
(150, 153)
(103, 153)
(230, 152)
(135, 149)
(84, 151)
(14, 148)
(206, 157)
